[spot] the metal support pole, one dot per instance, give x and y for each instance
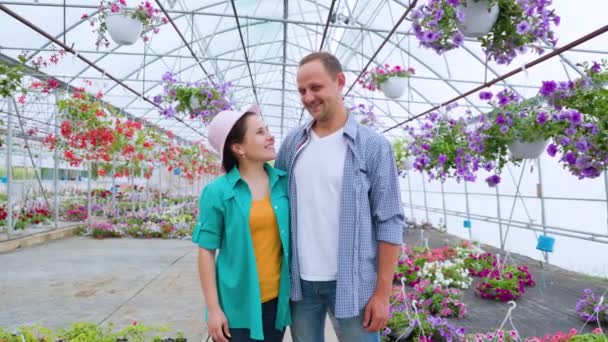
(409, 190)
(56, 169)
(114, 190)
(426, 209)
(89, 196)
(132, 175)
(445, 215)
(606, 189)
(9, 174)
(160, 187)
(466, 199)
(539, 192)
(499, 216)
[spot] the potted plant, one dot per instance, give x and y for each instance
(199, 100)
(479, 17)
(403, 157)
(493, 336)
(504, 283)
(125, 25)
(590, 309)
(446, 273)
(438, 300)
(392, 81)
(480, 265)
(518, 27)
(524, 127)
(102, 230)
(582, 124)
(441, 149)
(10, 78)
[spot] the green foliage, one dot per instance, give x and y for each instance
(10, 78)
(504, 32)
(589, 338)
(591, 100)
(400, 151)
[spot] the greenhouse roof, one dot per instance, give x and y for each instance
(256, 45)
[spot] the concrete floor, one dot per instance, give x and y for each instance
(152, 281)
(156, 282)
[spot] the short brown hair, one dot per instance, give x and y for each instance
(330, 62)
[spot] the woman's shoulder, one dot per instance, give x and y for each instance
(216, 187)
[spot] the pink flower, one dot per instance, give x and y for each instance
(114, 8)
(84, 16)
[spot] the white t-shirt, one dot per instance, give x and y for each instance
(318, 171)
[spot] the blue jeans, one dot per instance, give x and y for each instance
(308, 316)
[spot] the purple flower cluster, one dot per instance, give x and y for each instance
(199, 100)
(435, 25)
(581, 143)
(445, 148)
(530, 25)
(441, 328)
(589, 307)
(523, 24)
(365, 114)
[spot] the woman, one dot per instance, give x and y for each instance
(245, 215)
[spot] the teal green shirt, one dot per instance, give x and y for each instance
(223, 224)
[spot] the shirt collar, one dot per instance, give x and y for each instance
(233, 176)
(350, 127)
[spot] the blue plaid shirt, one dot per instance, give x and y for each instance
(370, 211)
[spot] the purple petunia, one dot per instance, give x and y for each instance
(552, 150)
(485, 95)
(493, 180)
(548, 88)
(541, 118)
(523, 27)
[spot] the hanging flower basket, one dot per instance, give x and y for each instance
(479, 18)
(195, 103)
(391, 81)
(202, 100)
(504, 28)
(408, 163)
(124, 25)
(527, 150)
(394, 87)
(123, 29)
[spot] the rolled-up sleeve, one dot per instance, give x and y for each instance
(208, 230)
(385, 196)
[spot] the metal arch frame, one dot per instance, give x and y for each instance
(180, 46)
(306, 27)
(271, 71)
(388, 115)
(178, 72)
(432, 70)
(413, 88)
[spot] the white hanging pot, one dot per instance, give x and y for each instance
(478, 21)
(527, 150)
(394, 87)
(123, 29)
(194, 103)
(407, 163)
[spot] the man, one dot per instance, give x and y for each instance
(346, 216)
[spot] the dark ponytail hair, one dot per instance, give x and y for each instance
(236, 136)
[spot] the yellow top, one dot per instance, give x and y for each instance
(267, 247)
